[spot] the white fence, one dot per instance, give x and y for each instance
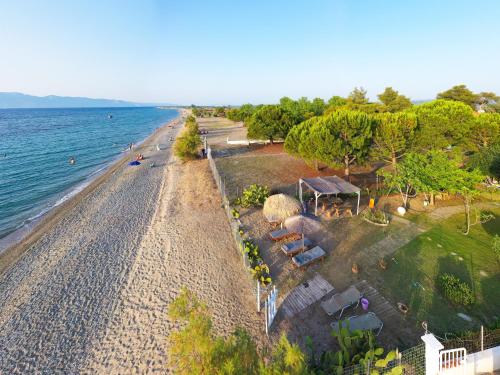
(457, 361)
(452, 361)
(235, 225)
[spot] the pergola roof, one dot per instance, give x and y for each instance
(330, 185)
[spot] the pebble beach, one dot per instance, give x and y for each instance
(88, 291)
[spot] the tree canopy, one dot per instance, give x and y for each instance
(358, 96)
(339, 138)
(393, 135)
(485, 130)
(269, 122)
(442, 123)
(459, 93)
(393, 101)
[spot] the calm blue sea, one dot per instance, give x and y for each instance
(36, 144)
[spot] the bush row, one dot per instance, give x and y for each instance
(188, 143)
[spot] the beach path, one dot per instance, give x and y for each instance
(90, 294)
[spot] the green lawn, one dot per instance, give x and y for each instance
(413, 272)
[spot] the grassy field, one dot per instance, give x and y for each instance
(444, 249)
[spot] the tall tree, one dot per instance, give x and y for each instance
(358, 96)
(442, 123)
(394, 101)
(487, 160)
(299, 142)
(242, 113)
(336, 101)
(342, 138)
(393, 135)
(318, 106)
(485, 130)
(460, 93)
(269, 122)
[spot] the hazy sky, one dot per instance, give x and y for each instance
(231, 52)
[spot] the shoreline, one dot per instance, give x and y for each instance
(14, 248)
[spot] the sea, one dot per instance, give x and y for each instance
(36, 146)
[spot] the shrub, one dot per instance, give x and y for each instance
(254, 195)
(376, 216)
(253, 252)
(455, 290)
(235, 213)
(187, 144)
(261, 272)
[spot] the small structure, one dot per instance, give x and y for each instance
(331, 185)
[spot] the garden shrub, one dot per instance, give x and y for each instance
(376, 216)
(455, 290)
(235, 213)
(254, 195)
(259, 270)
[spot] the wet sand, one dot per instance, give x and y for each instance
(88, 291)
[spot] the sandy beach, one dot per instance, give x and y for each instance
(88, 291)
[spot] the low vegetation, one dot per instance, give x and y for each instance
(413, 274)
(187, 145)
(196, 349)
(254, 196)
(260, 270)
(375, 216)
(455, 290)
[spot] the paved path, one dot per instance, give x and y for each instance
(441, 213)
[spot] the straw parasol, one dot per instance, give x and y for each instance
(280, 206)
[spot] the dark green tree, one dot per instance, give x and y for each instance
(358, 96)
(342, 138)
(442, 123)
(487, 160)
(393, 101)
(460, 93)
(393, 135)
(269, 122)
(336, 101)
(300, 143)
(485, 130)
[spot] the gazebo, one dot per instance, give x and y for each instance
(331, 185)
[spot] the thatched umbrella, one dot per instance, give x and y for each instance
(280, 206)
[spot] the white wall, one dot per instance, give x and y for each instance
(485, 361)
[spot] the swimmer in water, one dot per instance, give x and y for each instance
(72, 160)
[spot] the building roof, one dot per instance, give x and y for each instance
(330, 185)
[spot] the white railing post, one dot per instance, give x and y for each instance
(482, 338)
(258, 296)
(432, 348)
(266, 310)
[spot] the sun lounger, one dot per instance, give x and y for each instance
(364, 322)
(308, 257)
(281, 234)
(297, 246)
(340, 301)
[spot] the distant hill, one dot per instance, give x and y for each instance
(421, 101)
(18, 100)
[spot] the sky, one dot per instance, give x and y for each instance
(233, 52)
